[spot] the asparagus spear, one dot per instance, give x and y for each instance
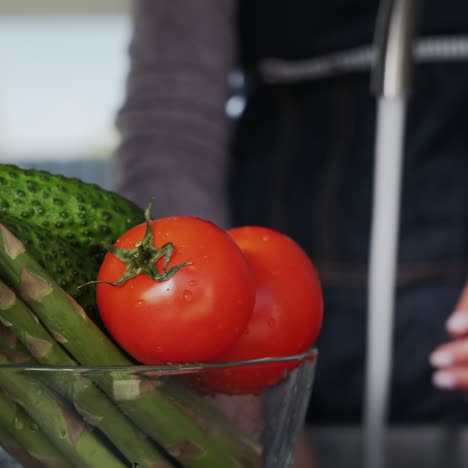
(89, 401)
(58, 422)
(26, 432)
(11, 347)
(19, 434)
(12, 447)
(151, 410)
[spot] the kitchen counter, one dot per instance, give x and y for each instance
(407, 446)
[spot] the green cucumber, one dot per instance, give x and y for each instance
(66, 207)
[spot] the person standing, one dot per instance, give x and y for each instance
(300, 159)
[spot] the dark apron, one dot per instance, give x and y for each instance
(303, 164)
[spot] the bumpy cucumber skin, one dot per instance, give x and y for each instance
(66, 207)
(61, 221)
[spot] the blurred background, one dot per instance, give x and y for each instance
(63, 69)
(63, 66)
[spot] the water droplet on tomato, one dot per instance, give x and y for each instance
(140, 303)
(193, 283)
(187, 296)
(265, 238)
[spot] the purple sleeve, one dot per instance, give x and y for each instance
(174, 131)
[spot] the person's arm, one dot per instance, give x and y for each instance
(451, 359)
(174, 131)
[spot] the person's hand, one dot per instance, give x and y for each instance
(451, 359)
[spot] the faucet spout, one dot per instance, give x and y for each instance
(394, 33)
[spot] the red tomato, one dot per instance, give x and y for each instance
(287, 315)
(190, 317)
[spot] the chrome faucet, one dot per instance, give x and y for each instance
(393, 41)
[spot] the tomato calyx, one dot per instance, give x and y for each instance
(144, 257)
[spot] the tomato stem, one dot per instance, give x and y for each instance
(143, 258)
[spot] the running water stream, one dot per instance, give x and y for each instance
(389, 144)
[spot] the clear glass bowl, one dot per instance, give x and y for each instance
(147, 416)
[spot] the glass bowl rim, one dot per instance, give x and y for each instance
(310, 355)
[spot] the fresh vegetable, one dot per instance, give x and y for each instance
(182, 291)
(12, 347)
(193, 443)
(69, 433)
(19, 434)
(69, 264)
(19, 453)
(30, 438)
(287, 315)
(88, 400)
(61, 221)
(65, 207)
